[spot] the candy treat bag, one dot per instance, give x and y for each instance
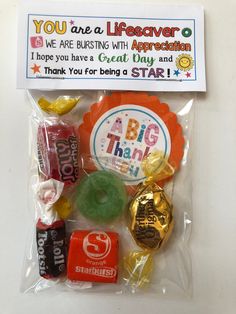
(112, 114)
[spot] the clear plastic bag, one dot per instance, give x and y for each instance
(166, 270)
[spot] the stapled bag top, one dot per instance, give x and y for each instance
(109, 46)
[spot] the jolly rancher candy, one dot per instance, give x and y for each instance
(58, 151)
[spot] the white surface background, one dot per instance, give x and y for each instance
(214, 199)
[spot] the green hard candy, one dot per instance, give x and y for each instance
(101, 196)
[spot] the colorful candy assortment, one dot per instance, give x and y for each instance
(103, 196)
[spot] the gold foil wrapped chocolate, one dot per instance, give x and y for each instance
(151, 211)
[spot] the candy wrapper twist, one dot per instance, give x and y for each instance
(151, 214)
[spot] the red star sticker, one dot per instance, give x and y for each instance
(188, 74)
(36, 68)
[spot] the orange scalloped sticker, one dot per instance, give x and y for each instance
(123, 128)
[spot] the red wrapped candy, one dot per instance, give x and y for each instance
(93, 256)
(58, 151)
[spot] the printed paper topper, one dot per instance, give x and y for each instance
(124, 127)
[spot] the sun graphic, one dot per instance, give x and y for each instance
(184, 62)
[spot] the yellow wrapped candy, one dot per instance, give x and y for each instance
(63, 207)
(156, 167)
(138, 267)
(60, 106)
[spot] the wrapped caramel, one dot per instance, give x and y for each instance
(151, 214)
(150, 210)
